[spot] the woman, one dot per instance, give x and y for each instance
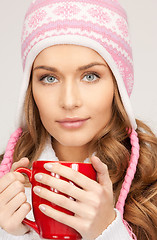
(61, 110)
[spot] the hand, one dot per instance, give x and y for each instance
(93, 209)
(13, 205)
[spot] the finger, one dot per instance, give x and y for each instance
(102, 171)
(71, 174)
(71, 221)
(16, 202)
(23, 162)
(19, 177)
(12, 190)
(76, 207)
(11, 223)
(62, 186)
(6, 181)
(21, 213)
(9, 178)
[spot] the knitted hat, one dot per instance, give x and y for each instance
(97, 24)
(100, 25)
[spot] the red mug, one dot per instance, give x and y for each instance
(45, 226)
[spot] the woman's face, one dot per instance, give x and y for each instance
(73, 89)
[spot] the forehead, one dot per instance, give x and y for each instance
(67, 52)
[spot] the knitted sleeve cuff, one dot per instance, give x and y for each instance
(32, 235)
(116, 230)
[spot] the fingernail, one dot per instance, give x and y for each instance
(38, 177)
(42, 208)
(48, 166)
(36, 189)
(96, 157)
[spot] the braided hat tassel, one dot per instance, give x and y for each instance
(129, 177)
(8, 156)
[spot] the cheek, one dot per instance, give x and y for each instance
(103, 113)
(101, 102)
(44, 104)
(39, 100)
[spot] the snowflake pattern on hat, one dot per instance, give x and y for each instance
(36, 19)
(66, 11)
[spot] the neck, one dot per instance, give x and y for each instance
(70, 154)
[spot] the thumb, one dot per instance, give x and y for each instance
(102, 171)
(23, 162)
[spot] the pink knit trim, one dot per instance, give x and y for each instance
(116, 7)
(66, 24)
(129, 177)
(8, 156)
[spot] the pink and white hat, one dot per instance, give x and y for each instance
(98, 24)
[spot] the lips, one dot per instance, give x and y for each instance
(72, 122)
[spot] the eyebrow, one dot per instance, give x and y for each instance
(53, 69)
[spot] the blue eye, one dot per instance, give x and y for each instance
(91, 77)
(48, 79)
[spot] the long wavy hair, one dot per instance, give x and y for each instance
(113, 148)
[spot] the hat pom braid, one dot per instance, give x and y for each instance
(7, 161)
(129, 177)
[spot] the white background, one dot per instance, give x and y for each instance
(143, 29)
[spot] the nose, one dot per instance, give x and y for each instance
(70, 96)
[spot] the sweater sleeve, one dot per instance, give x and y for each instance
(6, 236)
(116, 230)
(32, 235)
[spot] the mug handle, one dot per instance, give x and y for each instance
(28, 172)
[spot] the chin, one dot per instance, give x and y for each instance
(73, 142)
